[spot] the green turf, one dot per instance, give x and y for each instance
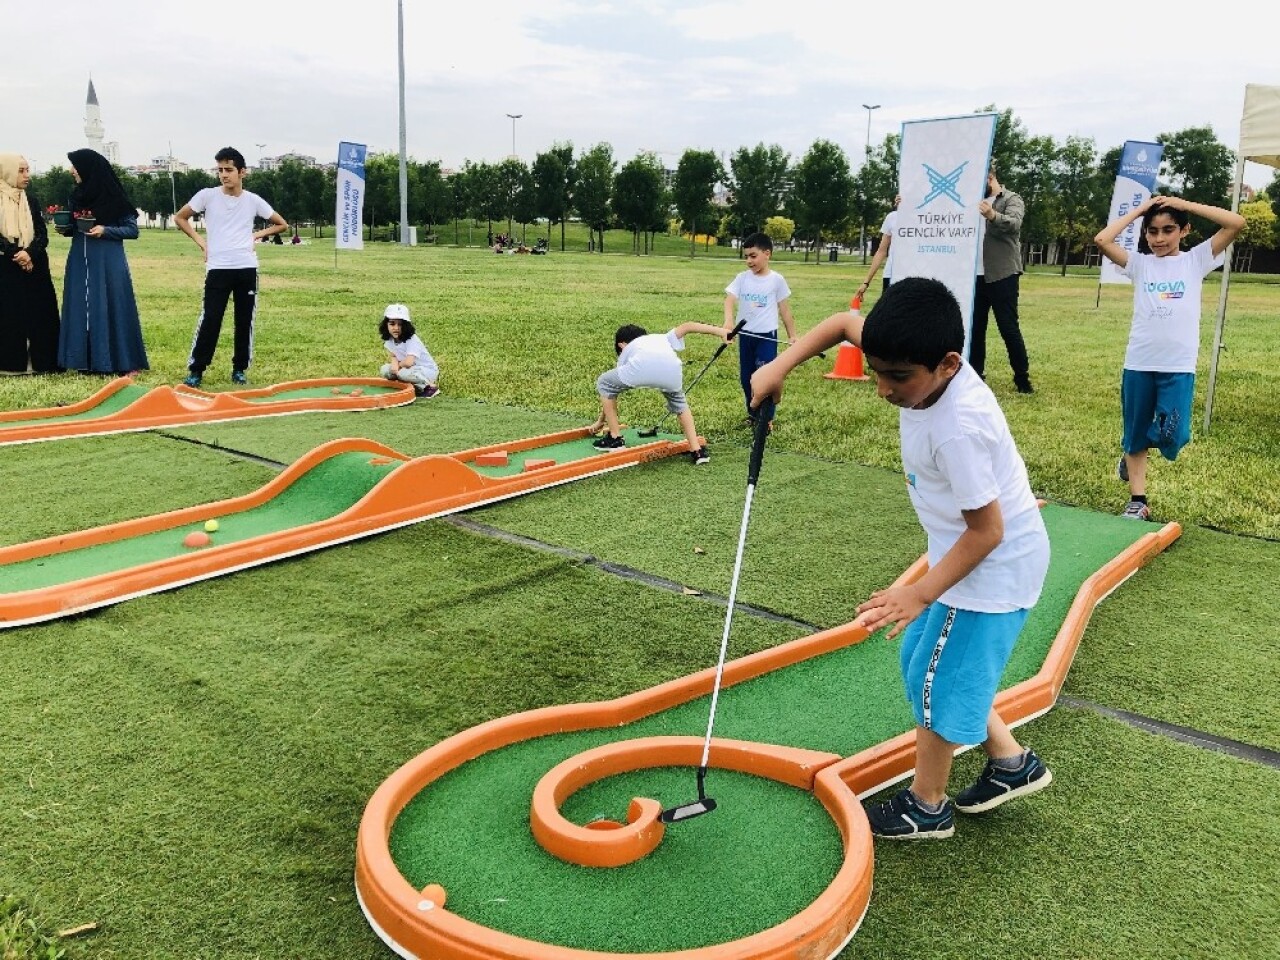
(565, 452)
(319, 494)
(842, 703)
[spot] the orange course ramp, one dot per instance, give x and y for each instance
(124, 407)
(442, 904)
(342, 490)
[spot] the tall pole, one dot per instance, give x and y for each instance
(173, 190)
(404, 158)
(514, 117)
(866, 159)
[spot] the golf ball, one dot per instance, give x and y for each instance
(211, 525)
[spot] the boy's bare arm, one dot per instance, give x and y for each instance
(694, 327)
(900, 605)
(183, 221)
(1230, 224)
(730, 310)
(277, 224)
(877, 259)
(1106, 237)
(766, 382)
(788, 321)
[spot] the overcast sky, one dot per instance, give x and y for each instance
(660, 75)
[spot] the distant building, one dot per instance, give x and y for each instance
(94, 131)
(274, 163)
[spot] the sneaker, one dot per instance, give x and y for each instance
(902, 818)
(995, 785)
(427, 392)
(1136, 510)
(699, 456)
(193, 380)
(237, 376)
(1122, 468)
(608, 442)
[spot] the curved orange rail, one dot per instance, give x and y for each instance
(416, 923)
(166, 406)
(419, 489)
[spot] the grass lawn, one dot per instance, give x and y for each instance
(187, 769)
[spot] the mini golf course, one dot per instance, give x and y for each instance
(340, 491)
(124, 407)
(536, 835)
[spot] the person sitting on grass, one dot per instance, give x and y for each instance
(650, 360)
(988, 550)
(410, 362)
(1159, 377)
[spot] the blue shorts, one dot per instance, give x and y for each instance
(952, 660)
(1156, 408)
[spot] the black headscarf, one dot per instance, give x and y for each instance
(99, 188)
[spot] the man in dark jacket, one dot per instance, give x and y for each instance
(997, 288)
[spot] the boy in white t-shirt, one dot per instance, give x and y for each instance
(650, 360)
(231, 262)
(988, 550)
(761, 297)
(1159, 375)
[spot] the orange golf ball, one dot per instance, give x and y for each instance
(197, 539)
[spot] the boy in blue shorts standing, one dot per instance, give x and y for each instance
(1159, 375)
(761, 297)
(988, 550)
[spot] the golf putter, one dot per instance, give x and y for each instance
(653, 431)
(705, 804)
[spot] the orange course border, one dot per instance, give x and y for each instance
(419, 489)
(417, 924)
(166, 406)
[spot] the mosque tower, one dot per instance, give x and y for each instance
(93, 129)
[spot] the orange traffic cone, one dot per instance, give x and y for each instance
(849, 357)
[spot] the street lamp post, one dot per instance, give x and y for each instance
(862, 235)
(261, 147)
(514, 117)
(404, 155)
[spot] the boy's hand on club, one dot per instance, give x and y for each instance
(896, 605)
(766, 384)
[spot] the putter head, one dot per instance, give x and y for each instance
(652, 432)
(688, 811)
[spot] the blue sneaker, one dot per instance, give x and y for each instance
(994, 786)
(902, 818)
(237, 376)
(193, 380)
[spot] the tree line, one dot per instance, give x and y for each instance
(818, 198)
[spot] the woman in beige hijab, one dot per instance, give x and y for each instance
(28, 303)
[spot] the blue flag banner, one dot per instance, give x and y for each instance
(942, 179)
(350, 205)
(1135, 182)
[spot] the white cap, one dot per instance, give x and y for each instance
(396, 311)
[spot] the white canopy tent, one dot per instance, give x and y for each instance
(1259, 142)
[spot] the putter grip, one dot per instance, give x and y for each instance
(764, 416)
(738, 329)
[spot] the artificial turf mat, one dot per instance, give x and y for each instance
(723, 877)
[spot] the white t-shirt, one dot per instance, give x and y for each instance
(758, 299)
(651, 361)
(228, 224)
(886, 230)
(1165, 335)
(413, 347)
(959, 455)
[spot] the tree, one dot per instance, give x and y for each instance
(824, 188)
(381, 189)
(758, 184)
(53, 188)
(594, 187)
(510, 177)
(1273, 191)
(1075, 170)
(694, 187)
(779, 229)
(1259, 225)
(639, 196)
(876, 183)
(554, 176)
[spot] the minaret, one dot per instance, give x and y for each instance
(93, 130)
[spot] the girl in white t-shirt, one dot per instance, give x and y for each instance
(1159, 375)
(410, 360)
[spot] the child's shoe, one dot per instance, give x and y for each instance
(995, 785)
(238, 376)
(427, 392)
(700, 456)
(193, 380)
(902, 818)
(1136, 510)
(608, 442)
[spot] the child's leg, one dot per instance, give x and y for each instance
(1137, 466)
(246, 309)
(610, 407)
(217, 290)
(1000, 743)
(685, 418)
(746, 365)
(933, 766)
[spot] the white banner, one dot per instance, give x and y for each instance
(942, 179)
(350, 204)
(1135, 182)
